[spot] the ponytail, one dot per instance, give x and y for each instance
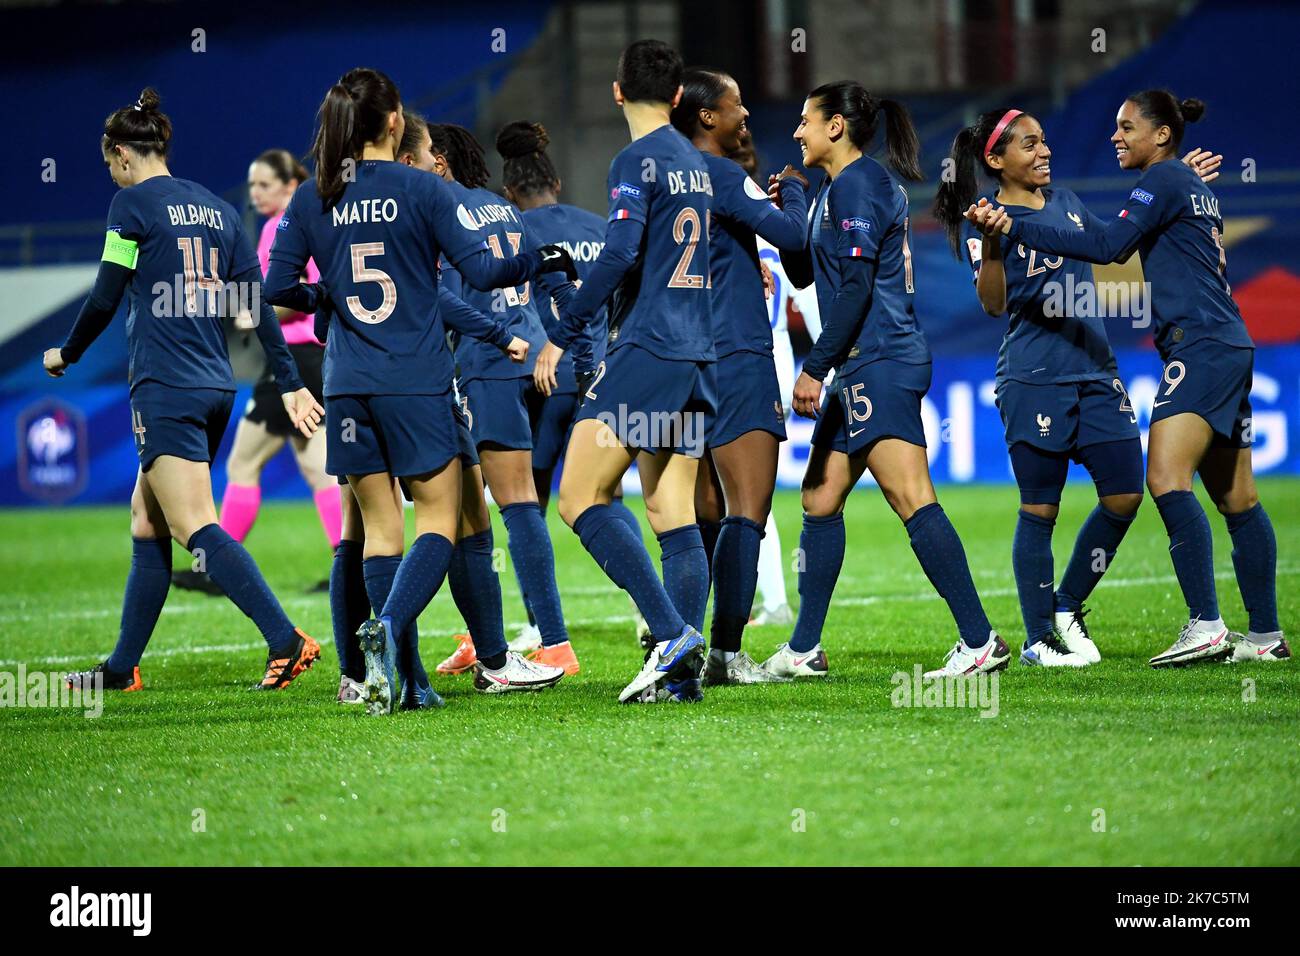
(528, 170)
(960, 185)
(353, 113)
(861, 112)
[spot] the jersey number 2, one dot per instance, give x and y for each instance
(682, 278)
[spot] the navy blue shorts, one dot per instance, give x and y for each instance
(881, 399)
(749, 398)
(1114, 466)
(552, 422)
(464, 437)
(1064, 418)
(185, 422)
(499, 411)
(1211, 380)
(404, 435)
(653, 404)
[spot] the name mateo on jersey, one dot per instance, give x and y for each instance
(191, 215)
(365, 210)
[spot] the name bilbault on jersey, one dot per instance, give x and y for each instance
(191, 244)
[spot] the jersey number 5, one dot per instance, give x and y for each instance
(364, 273)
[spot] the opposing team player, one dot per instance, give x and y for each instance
(658, 369)
(863, 267)
(173, 234)
(1201, 416)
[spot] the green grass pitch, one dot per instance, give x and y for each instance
(1115, 765)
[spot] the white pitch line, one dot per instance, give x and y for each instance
(586, 622)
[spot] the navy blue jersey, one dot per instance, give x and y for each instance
(1173, 220)
(377, 250)
(582, 233)
(191, 244)
(663, 303)
(742, 209)
(501, 225)
(1044, 345)
(862, 214)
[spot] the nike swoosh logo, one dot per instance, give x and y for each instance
(1047, 585)
(798, 661)
(1158, 404)
(1218, 640)
(500, 680)
(979, 661)
(856, 433)
(1264, 650)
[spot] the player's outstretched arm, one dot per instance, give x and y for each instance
(97, 312)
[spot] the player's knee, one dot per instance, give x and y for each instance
(1046, 512)
(1124, 505)
(820, 501)
(907, 499)
(1235, 502)
(571, 506)
(1162, 480)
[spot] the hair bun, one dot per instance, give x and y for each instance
(149, 100)
(1192, 110)
(522, 138)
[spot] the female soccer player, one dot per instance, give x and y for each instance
(1058, 384)
(749, 423)
(265, 428)
(863, 267)
(533, 185)
(172, 234)
(655, 387)
(1201, 417)
(499, 396)
(376, 228)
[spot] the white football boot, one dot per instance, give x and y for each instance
(963, 660)
(1075, 636)
(1197, 642)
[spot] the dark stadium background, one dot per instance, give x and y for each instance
(263, 68)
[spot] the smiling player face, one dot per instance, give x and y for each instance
(1026, 161)
(814, 134)
(729, 119)
(1136, 139)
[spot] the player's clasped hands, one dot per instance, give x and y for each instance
(989, 219)
(774, 182)
(304, 411)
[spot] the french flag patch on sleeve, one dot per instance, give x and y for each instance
(1123, 213)
(857, 251)
(622, 214)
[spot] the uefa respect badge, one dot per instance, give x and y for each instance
(53, 452)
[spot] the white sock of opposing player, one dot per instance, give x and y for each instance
(771, 574)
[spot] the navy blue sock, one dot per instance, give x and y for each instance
(1094, 549)
(943, 559)
(146, 591)
(1254, 556)
(534, 559)
(735, 581)
(686, 572)
(379, 573)
(821, 544)
(709, 532)
(349, 606)
(476, 589)
(418, 578)
(1191, 548)
(623, 557)
(627, 516)
(236, 573)
(1031, 559)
